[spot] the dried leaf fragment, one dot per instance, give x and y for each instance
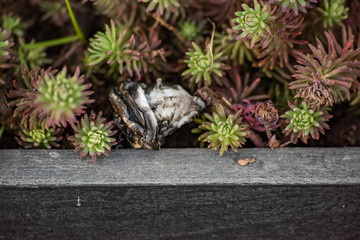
(245, 161)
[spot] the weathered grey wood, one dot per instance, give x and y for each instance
(292, 193)
(187, 212)
(181, 167)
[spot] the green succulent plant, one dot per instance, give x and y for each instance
(93, 136)
(39, 137)
(5, 45)
(255, 23)
(48, 98)
(35, 56)
(294, 5)
(304, 122)
(117, 47)
(222, 131)
(14, 25)
(203, 67)
(273, 35)
(54, 11)
(333, 12)
(190, 29)
(237, 50)
(62, 98)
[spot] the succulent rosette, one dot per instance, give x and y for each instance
(222, 131)
(203, 67)
(238, 51)
(62, 98)
(191, 30)
(115, 46)
(304, 122)
(325, 77)
(5, 45)
(36, 57)
(334, 12)
(14, 25)
(273, 35)
(127, 51)
(22, 98)
(255, 23)
(93, 136)
(259, 116)
(160, 5)
(49, 98)
(39, 137)
(294, 5)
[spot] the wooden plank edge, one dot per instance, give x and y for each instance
(172, 167)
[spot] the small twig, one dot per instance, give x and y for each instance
(169, 27)
(267, 130)
(285, 144)
(210, 46)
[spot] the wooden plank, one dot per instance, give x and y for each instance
(186, 212)
(292, 193)
(181, 167)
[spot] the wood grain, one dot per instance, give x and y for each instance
(293, 193)
(180, 167)
(186, 212)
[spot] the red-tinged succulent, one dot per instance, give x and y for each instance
(93, 135)
(304, 122)
(22, 98)
(159, 6)
(325, 76)
(152, 54)
(261, 116)
(294, 5)
(237, 87)
(39, 137)
(272, 33)
(62, 98)
(49, 98)
(285, 31)
(5, 45)
(353, 14)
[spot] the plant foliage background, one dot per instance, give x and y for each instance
(271, 72)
